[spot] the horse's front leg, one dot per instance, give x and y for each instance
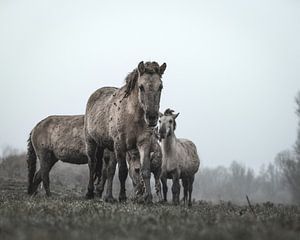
(144, 151)
(110, 177)
(120, 154)
(175, 187)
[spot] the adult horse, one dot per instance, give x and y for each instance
(59, 138)
(123, 119)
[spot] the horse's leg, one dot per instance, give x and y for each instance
(175, 187)
(36, 181)
(157, 173)
(163, 179)
(101, 179)
(91, 148)
(144, 150)
(123, 170)
(190, 182)
(185, 189)
(111, 169)
(47, 162)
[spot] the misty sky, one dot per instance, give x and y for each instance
(233, 67)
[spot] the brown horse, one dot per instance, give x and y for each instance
(123, 119)
(58, 138)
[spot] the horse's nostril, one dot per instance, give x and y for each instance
(137, 170)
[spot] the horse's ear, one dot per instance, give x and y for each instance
(162, 68)
(160, 114)
(141, 67)
(175, 115)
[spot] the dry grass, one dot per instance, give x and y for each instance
(68, 215)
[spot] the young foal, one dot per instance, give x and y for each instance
(180, 159)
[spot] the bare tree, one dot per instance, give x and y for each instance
(290, 162)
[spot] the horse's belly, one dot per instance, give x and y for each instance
(75, 159)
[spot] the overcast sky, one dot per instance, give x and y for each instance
(233, 67)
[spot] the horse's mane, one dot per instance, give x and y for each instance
(169, 112)
(132, 77)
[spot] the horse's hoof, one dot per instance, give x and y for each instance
(148, 198)
(189, 204)
(109, 199)
(98, 194)
(122, 198)
(89, 195)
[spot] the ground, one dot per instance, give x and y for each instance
(68, 215)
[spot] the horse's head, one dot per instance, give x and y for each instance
(167, 123)
(149, 89)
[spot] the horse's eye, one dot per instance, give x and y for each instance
(160, 87)
(141, 87)
(159, 121)
(170, 121)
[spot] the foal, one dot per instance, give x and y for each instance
(180, 159)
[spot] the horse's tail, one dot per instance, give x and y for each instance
(31, 164)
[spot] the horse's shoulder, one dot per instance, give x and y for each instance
(100, 95)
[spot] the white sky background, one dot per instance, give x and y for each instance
(233, 67)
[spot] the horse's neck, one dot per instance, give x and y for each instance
(133, 106)
(168, 144)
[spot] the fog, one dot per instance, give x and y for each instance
(233, 67)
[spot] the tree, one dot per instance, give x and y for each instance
(290, 162)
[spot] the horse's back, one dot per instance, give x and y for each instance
(190, 159)
(100, 98)
(62, 136)
(97, 113)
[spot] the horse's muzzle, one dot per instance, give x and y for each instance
(152, 119)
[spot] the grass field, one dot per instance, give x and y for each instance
(68, 215)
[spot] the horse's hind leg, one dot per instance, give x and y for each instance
(101, 181)
(190, 188)
(185, 189)
(36, 181)
(47, 161)
(91, 148)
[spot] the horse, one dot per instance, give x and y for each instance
(123, 119)
(133, 160)
(57, 138)
(180, 159)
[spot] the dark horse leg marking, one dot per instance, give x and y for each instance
(185, 189)
(175, 188)
(163, 179)
(190, 183)
(47, 161)
(123, 172)
(91, 148)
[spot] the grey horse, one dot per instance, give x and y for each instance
(123, 119)
(58, 138)
(180, 159)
